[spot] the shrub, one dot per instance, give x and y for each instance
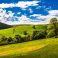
(33, 27)
(33, 35)
(18, 38)
(3, 38)
(39, 35)
(51, 34)
(3, 41)
(25, 32)
(10, 40)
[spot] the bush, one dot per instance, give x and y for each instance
(29, 37)
(33, 27)
(33, 35)
(39, 35)
(26, 38)
(51, 34)
(10, 40)
(3, 41)
(25, 32)
(18, 38)
(3, 38)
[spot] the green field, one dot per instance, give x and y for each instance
(45, 48)
(20, 29)
(42, 48)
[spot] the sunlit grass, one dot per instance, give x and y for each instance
(27, 49)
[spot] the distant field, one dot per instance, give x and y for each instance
(44, 48)
(19, 30)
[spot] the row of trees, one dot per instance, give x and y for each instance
(18, 39)
(50, 31)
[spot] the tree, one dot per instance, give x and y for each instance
(3, 38)
(33, 27)
(14, 27)
(25, 32)
(3, 41)
(10, 40)
(34, 34)
(39, 35)
(53, 27)
(18, 38)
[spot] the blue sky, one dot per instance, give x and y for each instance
(27, 11)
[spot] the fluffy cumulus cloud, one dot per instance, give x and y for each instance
(44, 19)
(34, 16)
(26, 4)
(21, 4)
(53, 12)
(9, 18)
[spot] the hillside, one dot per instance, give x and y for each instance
(20, 29)
(4, 26)
(45, 48)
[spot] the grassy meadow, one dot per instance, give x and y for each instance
(19, 30)
(45, 48)
(42, 48)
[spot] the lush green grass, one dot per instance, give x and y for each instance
(44, 48)
(19, 30)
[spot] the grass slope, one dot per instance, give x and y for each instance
(45, 48)
(19, 30)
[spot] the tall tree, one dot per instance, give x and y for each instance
(53, 27)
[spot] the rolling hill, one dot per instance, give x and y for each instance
(20, 29)
(4, 26)
(45, 48)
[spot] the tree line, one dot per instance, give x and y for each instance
(51, 30)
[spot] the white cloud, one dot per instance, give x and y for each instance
(10, 19)
(24, 20)
(4, 17)
(53, 12)
(26, 4)
(21, 4)
(45, 19)
(3, 5)
(19, 13)
(31, 11)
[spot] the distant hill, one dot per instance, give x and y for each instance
(4, 26)
(20, 29)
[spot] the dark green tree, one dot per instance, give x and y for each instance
(53, 28)
(25, 32)
(18, 38)
(33, 27)
(10, 40)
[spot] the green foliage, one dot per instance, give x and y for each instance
(10, 39)
(20, 30)
(3, 41)
(49, 49)
(33, 27)
(39, 35)
(18, 38)
(53, 28)
(51, 34)
(25, 32)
